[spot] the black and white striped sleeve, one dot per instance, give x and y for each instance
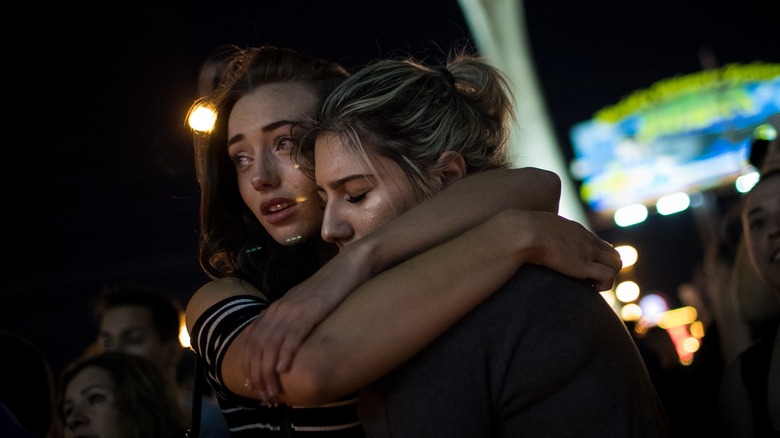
(218, 327)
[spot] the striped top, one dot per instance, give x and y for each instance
(214, 331)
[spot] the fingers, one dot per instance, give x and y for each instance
(264, 355)
(272, 341)
(606, 267)
(613, 259)
(603, 277)
(291, 343)
(270, 376)
(256, 354)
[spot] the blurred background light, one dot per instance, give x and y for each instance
(746, 182)
(631, 312)
(653, 306)
(627, 291)
(678, 317)
(631, 215)
(202, 118)
(673, 203)
(628, 255)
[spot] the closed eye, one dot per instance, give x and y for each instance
(354, 199)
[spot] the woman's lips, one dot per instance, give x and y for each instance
(277, 210)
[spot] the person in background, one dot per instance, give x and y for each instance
(745, 301)
(750, 392)
(143, 320)
(260, 236)
(119, 395)
(212, 71)
(754, 303)
(537, 355)
(26, 389)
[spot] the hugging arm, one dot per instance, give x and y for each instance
(460, 207)
(394, 315)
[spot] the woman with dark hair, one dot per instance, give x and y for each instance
(119, 395)
(260, 238)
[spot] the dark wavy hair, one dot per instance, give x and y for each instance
(232, 240)
(149, 402)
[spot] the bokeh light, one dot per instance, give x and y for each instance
(628, 255)
(631, 215)
(746, 182)
(202, 118)
(673, 203)
(631, 312)
(627, 291)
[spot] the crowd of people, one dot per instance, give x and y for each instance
(352, 294)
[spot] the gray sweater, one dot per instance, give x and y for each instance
(544, 356)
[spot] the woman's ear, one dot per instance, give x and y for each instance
(451, 167)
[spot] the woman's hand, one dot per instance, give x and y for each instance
(274, 337)
(565, 246)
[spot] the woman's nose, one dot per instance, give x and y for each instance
(265, 173)
(76, 419)
(334, 228)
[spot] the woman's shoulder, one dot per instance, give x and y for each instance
(218, 290)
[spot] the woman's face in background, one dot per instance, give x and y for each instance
(761, 228)
(90, 406)
(262, 128)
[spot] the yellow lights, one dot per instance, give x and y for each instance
(691, 344)
(673, 203)
(627, 291)
(643, 311)
(630, 215)
(202, 118)
(631, 312)
(697, 329)
(677, 317)
(650, 310)
(628, 255)
(184, 335)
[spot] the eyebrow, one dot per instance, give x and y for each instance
(93, 386)
(341, 181)
(266, 128)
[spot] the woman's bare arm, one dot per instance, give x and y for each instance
(395, 314)
(465, 203)
(461, 206)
